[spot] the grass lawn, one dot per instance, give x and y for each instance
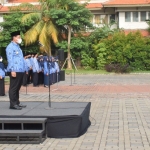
(83, 71)
(140, 72)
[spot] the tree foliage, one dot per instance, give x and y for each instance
(43, 29)
(12, 22)
(71, 16)
(119, 51)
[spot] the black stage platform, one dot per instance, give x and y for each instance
(64, 120)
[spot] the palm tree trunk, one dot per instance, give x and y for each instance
(49, 51)
(69, 64)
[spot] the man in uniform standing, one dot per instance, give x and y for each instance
(16, 69)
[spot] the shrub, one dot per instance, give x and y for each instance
(117, 68)
(132, 49)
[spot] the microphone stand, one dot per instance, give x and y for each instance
(49, 83)
(49, 96)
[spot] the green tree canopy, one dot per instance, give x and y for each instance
(71, 16)
(11, 23)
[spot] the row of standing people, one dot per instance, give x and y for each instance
(41, 70)
(2, 76)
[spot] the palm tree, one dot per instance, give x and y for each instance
(43, 30)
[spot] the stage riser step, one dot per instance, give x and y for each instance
(19, 135)
(23, 123)
(19, 128)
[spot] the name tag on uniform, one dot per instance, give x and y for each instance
(16, 52)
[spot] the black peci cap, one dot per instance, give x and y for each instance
(15, 33)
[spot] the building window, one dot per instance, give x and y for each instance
(91, 19)
(112, 18)
(135, 16)
(143, 15)
(97, 19)
(127, 16)
(148, 15)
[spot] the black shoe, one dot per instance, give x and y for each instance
(15, 107)
(22, 106)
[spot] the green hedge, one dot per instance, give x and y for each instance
(123, 51)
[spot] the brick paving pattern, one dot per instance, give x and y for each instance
(120, 112)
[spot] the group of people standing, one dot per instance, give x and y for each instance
(25, 70)
(41, 70)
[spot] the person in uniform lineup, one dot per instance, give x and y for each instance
(53, 71)
(2, 76)
(36, 70)
(16, 69)
(25, 77)
(57, 70)
(41, 73)
(29, 66)
(47, 72)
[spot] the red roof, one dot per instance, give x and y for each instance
(94, 5)
(22, 1)
(4, 9)
(127, 2)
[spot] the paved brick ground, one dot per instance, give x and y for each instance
(120, 112)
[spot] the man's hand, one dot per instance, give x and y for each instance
(13, 74)
(0, 77)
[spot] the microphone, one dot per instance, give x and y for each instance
(40, 44)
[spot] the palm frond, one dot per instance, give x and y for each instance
(52, 32)
(39, 26)
(45, 41)
(31, 36)
(31, 16)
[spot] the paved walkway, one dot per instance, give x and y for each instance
(120, 112)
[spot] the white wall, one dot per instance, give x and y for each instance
(1, 18)
(130, 25)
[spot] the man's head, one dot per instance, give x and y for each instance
(16, 37)
(1, 58)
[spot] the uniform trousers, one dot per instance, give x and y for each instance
(30, 76)
(35, 78)
(41, 78)
(55, 77)
(48, 79)
(2, 87)
(14, 88)
(25, 78)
